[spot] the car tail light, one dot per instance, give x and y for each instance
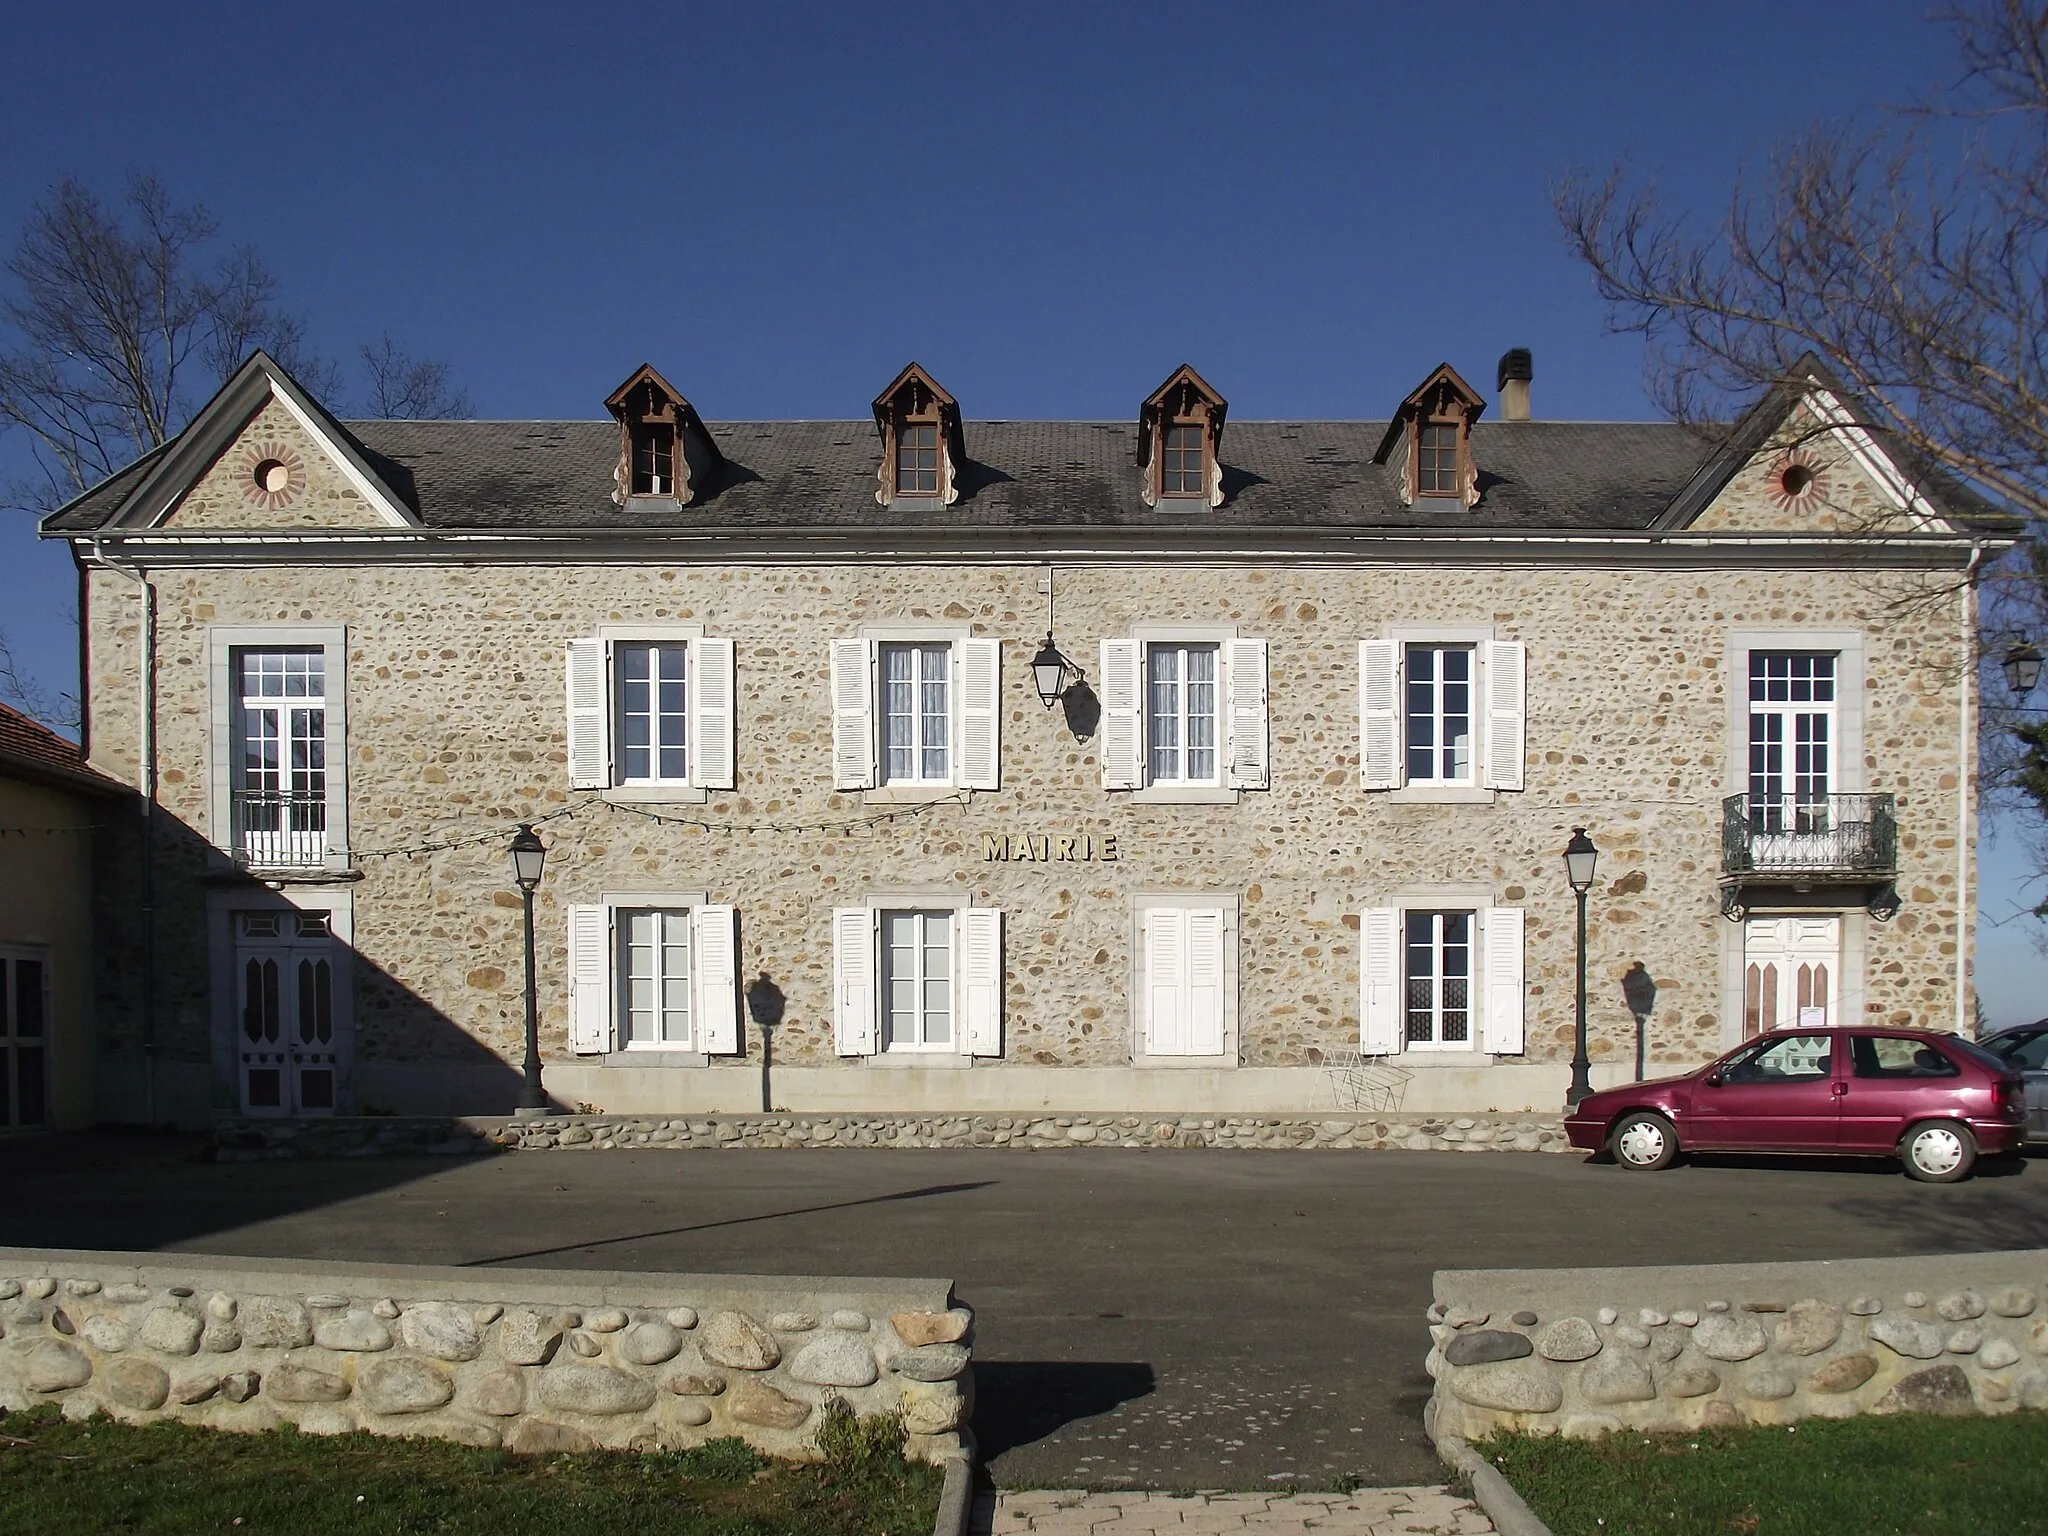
(2010, 1098)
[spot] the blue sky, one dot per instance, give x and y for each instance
(1049, 206)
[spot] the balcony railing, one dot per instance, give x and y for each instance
(280, 830)
(1844, 836)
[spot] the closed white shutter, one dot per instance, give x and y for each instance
(981, 699)
(1250, 733)
(715, 963)
(1507, 693)
(1123, 715)
(853, 980)
(590, 737)
(981, 972)
(590, 980)
(853, 715)
(1166, 973)
(1379, 981)
(1208, 973)
(1502, 1032)
(1379, 714)
(712, 713)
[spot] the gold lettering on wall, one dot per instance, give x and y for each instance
(1047, 848)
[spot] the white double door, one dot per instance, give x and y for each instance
(1791, 973)
(293, 1040)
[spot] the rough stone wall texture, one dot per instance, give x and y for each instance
(455, 686)
(1841, 498)
(1585, 1352)
(531, 1360)
(319, 494)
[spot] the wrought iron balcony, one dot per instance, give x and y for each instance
(1827, 837)
(279, 830)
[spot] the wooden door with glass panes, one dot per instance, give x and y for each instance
(24, 1037)
(292, 1034)
(1791, 973)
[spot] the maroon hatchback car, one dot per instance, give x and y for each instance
(1934, 1101)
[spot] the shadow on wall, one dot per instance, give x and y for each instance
(409, 1057)
(1018, 1402)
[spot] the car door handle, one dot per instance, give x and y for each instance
(1838, 1089)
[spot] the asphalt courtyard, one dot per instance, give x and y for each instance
(1194, 1319)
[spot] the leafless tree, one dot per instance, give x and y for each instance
(400, 387)
(59, 711)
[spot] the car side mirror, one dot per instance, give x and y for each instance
(1715, 1079)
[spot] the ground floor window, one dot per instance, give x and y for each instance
(653, 972)
(1438, 974)
(654, 966)
(917, 980)
(1185, 981)
(24, 1032)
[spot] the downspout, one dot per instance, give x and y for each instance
(1964, 756)
(146, 783)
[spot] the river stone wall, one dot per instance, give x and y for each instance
(1582, 1352)
(526, 1359)
(251, 1139)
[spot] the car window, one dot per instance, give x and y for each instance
(1794, 1059)
(1898, 1056)
(2027, 1050)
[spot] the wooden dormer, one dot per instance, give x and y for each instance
(923, 446)
(1430, 442)
(665, 453)
(1180, 435)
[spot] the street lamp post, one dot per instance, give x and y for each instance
(1580, 857)
(528, 855)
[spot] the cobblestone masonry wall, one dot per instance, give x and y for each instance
(531, 1360)
(1585, 1352)
(456, 726)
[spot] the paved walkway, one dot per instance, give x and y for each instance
(1368, 1512)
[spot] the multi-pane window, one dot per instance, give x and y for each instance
(654, 459)
(280, 788)
(1181, 713)
(654, 963)
(917, 980)
(1791, 736)
(1437, 971)
(917, 460)
(651, 716)
(24, 1063)
(1439, 714)
(1436, 459)
(1181, 463)
(916, 713)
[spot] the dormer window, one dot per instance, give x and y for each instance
(1429, 444)
(1180, 430)
(665, 453)
(922, 444)
(1436, 464)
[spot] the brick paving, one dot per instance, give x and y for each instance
(1368, 1512)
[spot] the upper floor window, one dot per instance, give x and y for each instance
(917, 713)
(1438, 716)
(1181, 703)
(1442, 716)
(1436, 466)
(280, 763)
(653, 738)
(917, 460)
(1181, 469)
(1791, 738)
(651, 710)
(1186, 717)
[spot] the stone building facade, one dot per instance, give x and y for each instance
(1335, 697)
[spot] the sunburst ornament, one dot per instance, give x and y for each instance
(1797, 484)
(273, 474)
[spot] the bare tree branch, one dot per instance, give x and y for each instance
(400, 387)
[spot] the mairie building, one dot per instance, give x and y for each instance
(916, 763)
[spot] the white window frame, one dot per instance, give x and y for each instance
(1475, 966)
(974, 710)
(924, 916)
(1847, 774)
(598, 1028)
(1182, 717)
(622, 979)
(1474, 714)
(980, 980)
(1500, 714)
(1498, 1004)
(1144, 907)
(921, 652)
(596, 715)
(1243, 715)
(623, 777)
(223, 643)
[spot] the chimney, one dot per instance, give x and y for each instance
(1516, 370)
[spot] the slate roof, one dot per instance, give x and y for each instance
(30, 751)
(532, 475)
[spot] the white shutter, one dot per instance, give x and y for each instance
(853, 715)
(1249, 730)
(1208, 972)
(590, 980)
(981, 971)
(1166, 971)
(1379, 981)
(1379, 714)
(590, 737)
(1123, 715)
(853, 980)
(712, 713)
(714, 968)
(1507, 694)
(981, 700)
(1502, 1031)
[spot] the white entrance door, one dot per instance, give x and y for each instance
(292, 1036)
(1791, 973)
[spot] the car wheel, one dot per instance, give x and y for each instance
(1939, 1152)
(1643, 1141)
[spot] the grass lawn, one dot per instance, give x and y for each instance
(1910, 1475)
(100, 1476)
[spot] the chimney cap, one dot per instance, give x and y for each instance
(1515, 363)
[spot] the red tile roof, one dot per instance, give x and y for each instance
(32, 751)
